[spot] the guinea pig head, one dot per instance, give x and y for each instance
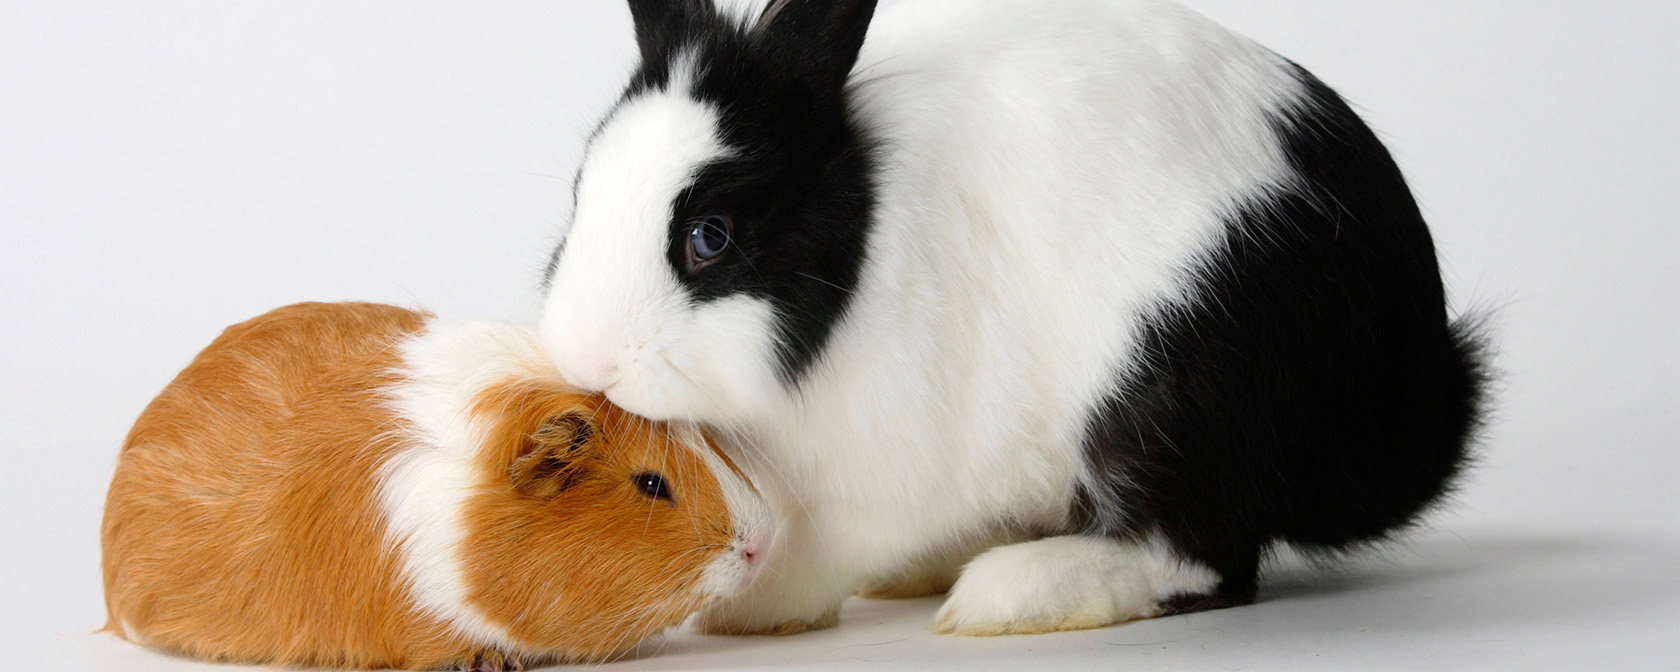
(593, 528)
(722, 213)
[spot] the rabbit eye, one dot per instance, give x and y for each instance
(652, 485)
(708, 239)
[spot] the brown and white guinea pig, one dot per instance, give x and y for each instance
(360, 485)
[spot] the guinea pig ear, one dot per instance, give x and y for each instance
(818, 39)
(551, 460)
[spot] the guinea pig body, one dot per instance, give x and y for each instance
(1074, 307)
(357, 485)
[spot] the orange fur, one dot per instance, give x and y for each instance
(242, 524)
(589, 588)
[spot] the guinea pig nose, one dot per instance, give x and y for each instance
(750, 554)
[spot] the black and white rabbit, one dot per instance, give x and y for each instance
(1093, 301)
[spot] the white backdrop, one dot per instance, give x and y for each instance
(169, 168)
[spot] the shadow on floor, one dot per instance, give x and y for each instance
(1493, 577)
(1446, 585)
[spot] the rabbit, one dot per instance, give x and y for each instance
(1072, 310)
(364, 486)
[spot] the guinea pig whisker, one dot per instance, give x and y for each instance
(744, 439)
(693, 512)
(648, 616)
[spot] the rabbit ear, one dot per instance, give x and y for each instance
(664, 25)
(769, 16)
(818, 39)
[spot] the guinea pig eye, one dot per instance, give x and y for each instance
(652, 485)
(708, 239)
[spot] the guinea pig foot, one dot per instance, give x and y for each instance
(801, 626)
(493, 661)
(794, 626)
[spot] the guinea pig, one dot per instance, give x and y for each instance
(364, 486)
(1074, 308)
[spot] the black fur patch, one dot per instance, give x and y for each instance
(1315, 392)
(798, 187)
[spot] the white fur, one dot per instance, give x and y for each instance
(730, 573)
(424, 487)
(744, 12)
(616, 319)
(1065, 583)
(1048, 178)
(138, 637)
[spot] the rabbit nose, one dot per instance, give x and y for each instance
(590, 373)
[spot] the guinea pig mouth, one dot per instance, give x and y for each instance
(732, 571)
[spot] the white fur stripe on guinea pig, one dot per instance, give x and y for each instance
(423, 487)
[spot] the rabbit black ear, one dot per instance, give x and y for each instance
(550, 460)
(819, 39)
(664, 25)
